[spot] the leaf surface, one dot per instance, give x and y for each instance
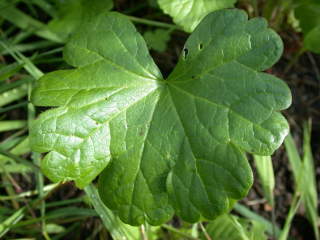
(166, 145)
(189, 13)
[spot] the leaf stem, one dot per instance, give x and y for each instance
(152, 23)
(203, 229)
(116, 228)
(144, 235)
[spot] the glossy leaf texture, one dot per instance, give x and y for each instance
(72, 13)
(166, 145)
(189, 13)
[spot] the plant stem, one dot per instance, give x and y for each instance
(203, 229)
(144, 235)
(152, 22)
(117, 229)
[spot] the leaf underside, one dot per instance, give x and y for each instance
(164, 145)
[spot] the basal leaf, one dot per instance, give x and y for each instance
(166, 145)
(189, 13)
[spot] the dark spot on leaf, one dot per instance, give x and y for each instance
(200, 46)
(185, 53)
(193, 77)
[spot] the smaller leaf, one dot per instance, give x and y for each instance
(229, 227)
(271, 229)
(311, 41)
(308, 14)
(257, 231)
(189, 13)
(226, 227)
(72, 13)
(158, 39)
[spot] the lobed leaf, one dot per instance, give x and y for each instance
(164, 145)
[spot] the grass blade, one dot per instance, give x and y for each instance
(9, 70)
(309, 188)
(12, 125)
(266, 174)
(293, 209)
(304, 175)
(13, 219)
(25, 22)
(13, 95)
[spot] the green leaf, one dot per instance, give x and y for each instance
(226, 227)
(308, 14)
(174, 145)
(269, 227)
(234, 228)
(158, 39)
(72, 13)
(189, 13)
(311, 40)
